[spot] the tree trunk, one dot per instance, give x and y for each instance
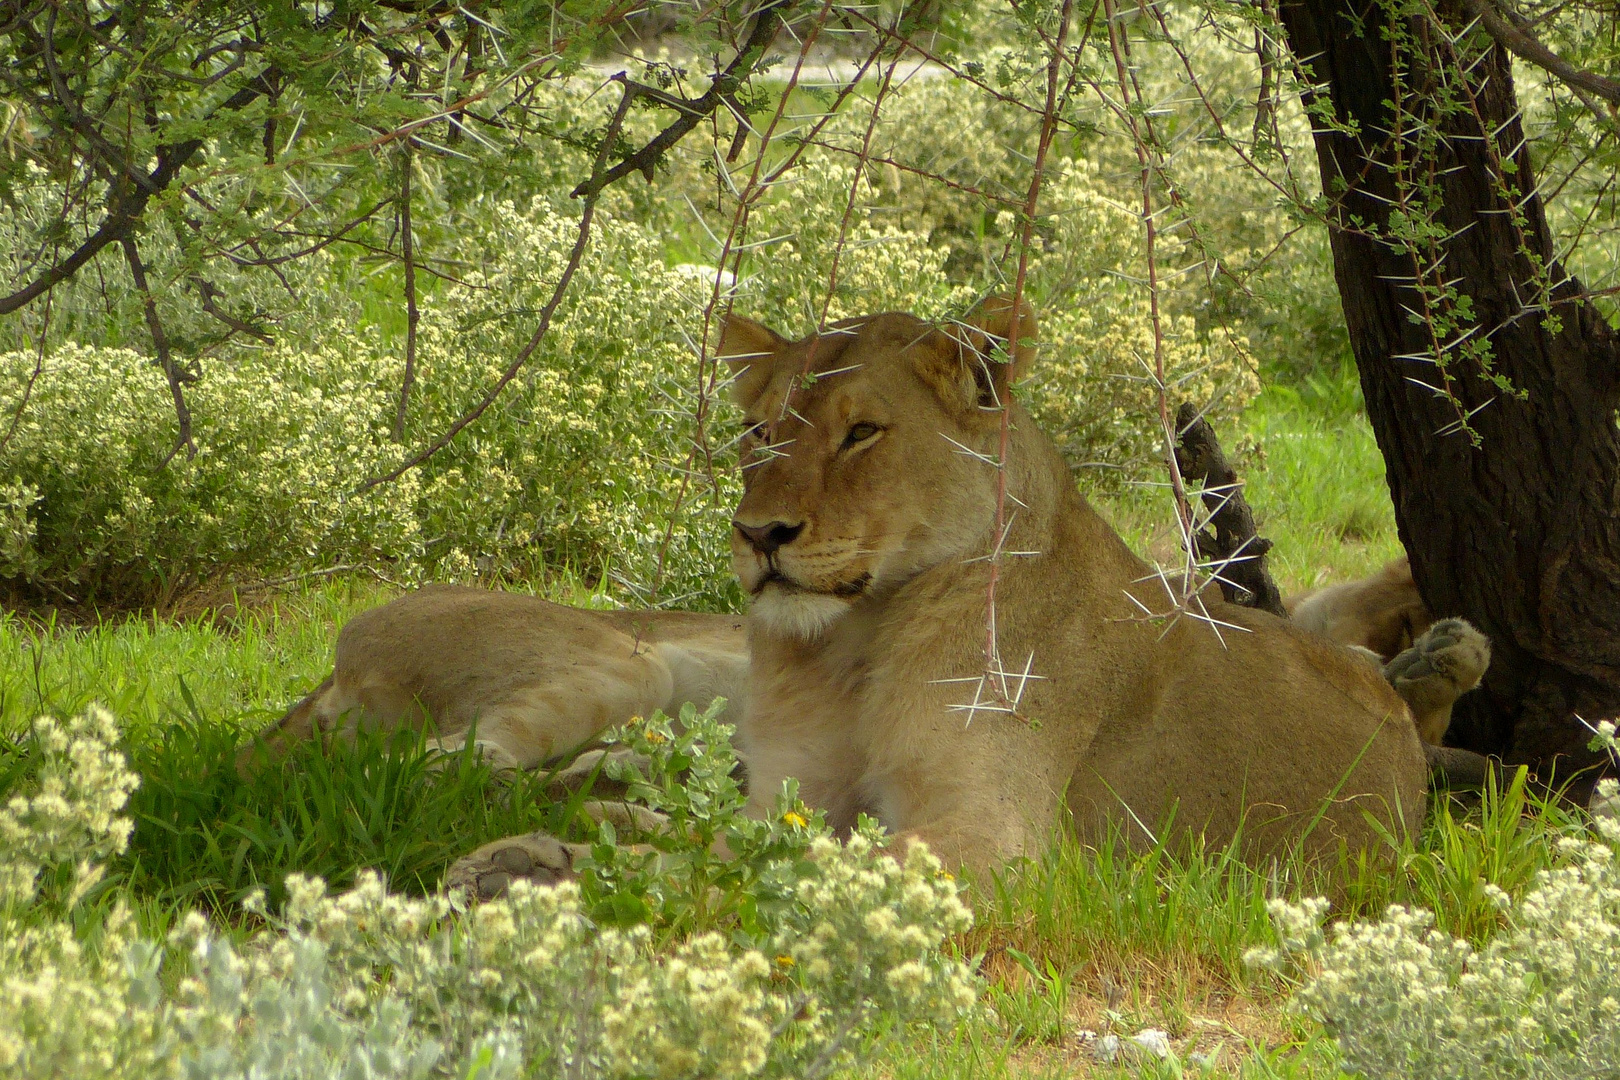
(1519, 534)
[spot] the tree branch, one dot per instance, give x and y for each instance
(692, 111)
(1511, 31)
(28, 387)
(128, 202)
(160, 342)
(575, 257)
(1239, 554)
(208, 292)
(408, 249)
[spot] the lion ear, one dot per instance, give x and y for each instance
(993, 323)
(964, 364)
(748, 346)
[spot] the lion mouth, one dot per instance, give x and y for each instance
(853, 588)
(844, 588)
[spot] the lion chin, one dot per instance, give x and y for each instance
(793, 613)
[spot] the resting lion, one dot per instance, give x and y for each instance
(862, 539)
(1383, 612)
(1429, 663)
(528, 679)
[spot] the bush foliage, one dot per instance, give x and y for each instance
(595, 457)
(376, 984)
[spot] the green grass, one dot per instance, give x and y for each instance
(188, 692)
(1112, 942)
(1103, 939)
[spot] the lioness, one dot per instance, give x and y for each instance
(527, 679)
(864, 535)
(1429, 663)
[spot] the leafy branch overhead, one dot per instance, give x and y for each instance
(241, 138)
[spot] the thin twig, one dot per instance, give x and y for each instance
(1130, 100)
(408, 253)
(994, 670)
(691, 113)
(575, 257)
(39, 366)
(165, 359)
(861, 157)
(708, 379)
(208, 293)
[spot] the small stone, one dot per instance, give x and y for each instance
(1154, 1041)
(1106, 1048)
(1085, 1036)
(1205, 1060)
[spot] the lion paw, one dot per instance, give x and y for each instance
(1447, 661)
(503, 764)
(576, 773)
(537, 858)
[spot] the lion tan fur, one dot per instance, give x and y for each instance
(862, 538)
(528, 679)
(1382, 612)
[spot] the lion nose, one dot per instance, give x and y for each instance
(766, 539)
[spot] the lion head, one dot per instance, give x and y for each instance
(1384, 613)
(832, 419)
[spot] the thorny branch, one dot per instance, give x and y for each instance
(732, 250)
(133, 188)
(1512, 31)
(575, 257)
(1003, 696)
(721, 88)
(407, 249)
(861, 159)
(33, 376)
(1132, 106)
(722, 91)
(208, 295)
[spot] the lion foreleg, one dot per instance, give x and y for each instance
(1445, 662)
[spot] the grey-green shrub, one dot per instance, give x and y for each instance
(1540, 1000)
(374, 984)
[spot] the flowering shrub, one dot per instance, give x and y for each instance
(1090, 391)
(591, 458)
(572, 465)
(374, 984)
(1541, 999)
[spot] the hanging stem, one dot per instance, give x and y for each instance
(408, 251)
(1131, 106)
(160, 343)
(1049, 116)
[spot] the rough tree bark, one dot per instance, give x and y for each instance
(1520, 535)
(1233, 543)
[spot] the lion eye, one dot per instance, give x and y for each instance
(756, 431)
(860, 433)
